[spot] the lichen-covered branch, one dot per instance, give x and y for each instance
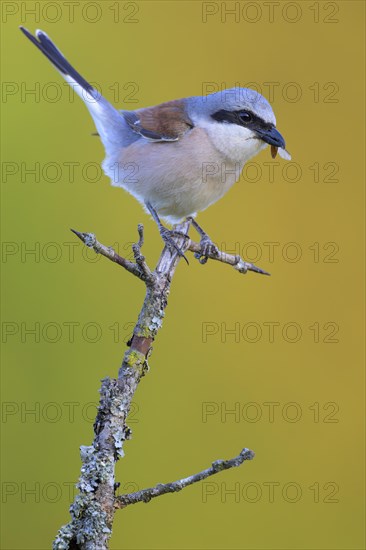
(145, 495)
(93, 509)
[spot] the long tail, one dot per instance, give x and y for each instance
(109, 122)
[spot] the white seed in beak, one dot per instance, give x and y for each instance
(284, 154)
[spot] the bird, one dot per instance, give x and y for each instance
(179, 157)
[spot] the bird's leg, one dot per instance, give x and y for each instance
(167, 234)
(207, 246)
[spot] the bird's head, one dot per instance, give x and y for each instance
(240, 122)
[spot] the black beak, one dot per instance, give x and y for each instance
(271, 136)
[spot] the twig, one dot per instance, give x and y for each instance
(90, 240)
(141, 270)
(236, 261)
(145, 495)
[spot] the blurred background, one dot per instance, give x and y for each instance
(270, 363)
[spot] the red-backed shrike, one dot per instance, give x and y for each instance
(179, 157)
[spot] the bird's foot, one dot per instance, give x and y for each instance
(168, 237)
(208, 248)
(168, 234)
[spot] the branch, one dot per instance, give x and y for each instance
(139, 269)
(92, 512)
(145, 495)
(236, 261)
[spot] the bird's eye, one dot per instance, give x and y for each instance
(245, 116)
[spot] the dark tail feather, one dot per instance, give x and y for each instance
(109, 122)
(53, 54)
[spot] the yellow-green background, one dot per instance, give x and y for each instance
(169, 52)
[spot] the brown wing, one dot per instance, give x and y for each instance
(165, 122)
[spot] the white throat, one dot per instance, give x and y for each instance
(235, 142)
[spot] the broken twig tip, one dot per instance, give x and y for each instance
(258, 270)
(248, 454)
(87, 238)
(77, 233)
